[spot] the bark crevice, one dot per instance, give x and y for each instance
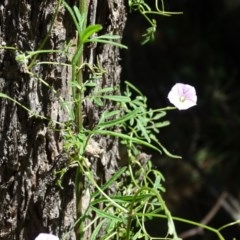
(31, 149)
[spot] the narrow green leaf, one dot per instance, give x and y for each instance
(108, 36)
(89, 31)
(159, 115)
(138, 198)
(138, 235)
(122, 199)
(76, 85)
(165, 150)
(98, 101)
(106, 215)
(81, 18)
(89, 84)
(133, 87)
(143, 130)
(126, 137)
(73, 16)
(118, 121)
(157, 182)
(105, 90)
(112, 180)
(95, 39)
(107, 114)
(161, 124)
(117, 98)
(95, 233)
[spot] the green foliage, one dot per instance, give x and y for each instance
(146, 11)
(139, 194)
(138, 186)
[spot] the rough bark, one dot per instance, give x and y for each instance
(30, 147)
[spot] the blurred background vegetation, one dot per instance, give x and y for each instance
(200, 48)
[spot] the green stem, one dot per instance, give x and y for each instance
(79, 180)
(162, 203)
(77, 76)
(168, 14)
(199, 225)
(47, 35)
(77, 62)
(91, 178)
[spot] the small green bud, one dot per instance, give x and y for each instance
(21, 58)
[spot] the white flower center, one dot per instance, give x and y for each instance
(182, 98)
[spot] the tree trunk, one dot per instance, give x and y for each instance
(31, 148)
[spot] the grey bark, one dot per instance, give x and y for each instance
(31, 149)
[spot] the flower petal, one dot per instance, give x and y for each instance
(46, 236)
(183, 96)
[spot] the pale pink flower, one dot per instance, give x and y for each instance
(46, 236)
(182, 96)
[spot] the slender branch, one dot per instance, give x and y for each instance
(77, 76)
(206, 219)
